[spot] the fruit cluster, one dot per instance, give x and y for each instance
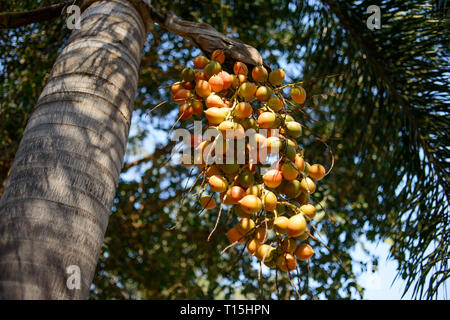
(271, 198)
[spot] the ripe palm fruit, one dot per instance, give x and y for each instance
(274, 145)
(245, 225)
(308, 210)
(307, 185)
(265, 252)
(231, 129)
(296, 225)
(268, 120)
(250, 204)
(316, 171)
(253, 245)
(218, 183)
(226, 78)
(200, 62)
(259, 74)
(280, 224)
(263, 93)
(247, 90)
(243, 110)
(288, 245)
(203, 88)
(197, 107)
(216, 83)
(273, 178)
(185, 111)
(275, 103)
(246, 179)
(218, 55)
(292, 189)
(212, 68)
(287, 262)
(214, 101)
(181, 96)
(299, 162)
(270, 201)
(235, 236)
(216, 115)
(298, 94)
(241, 213)
(240, 68)
(304, 252)
(289, 171)
(175, 87)
(207, 202)
(235, 194)
(293, 129)
(255, 190)
(199, 75)
(276, 77)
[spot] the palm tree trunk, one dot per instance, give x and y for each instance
(56, 203)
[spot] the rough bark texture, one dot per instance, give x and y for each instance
(55, 207)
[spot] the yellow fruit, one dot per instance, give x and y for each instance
(218, 183)
(273, 178)
(293, 129)
(268, 120)
(259, 74)
(216, 83)
(287, 262)
(218, 55)
(307, 185)
(304, 252)
(207, 202)
(181, 96)
(298, 94)
(235, 236)
(254, 190)
(226, 78)
(299, 162)
(247, 90)
(203, 88)
(253, 245)
(309, 210)
(276, 77)
(235, 193)
(296, 225)
(245, 225)
(197, 107)
(250, 204)
(240, 68)
(243, 110)
(270, 201)
(232, 130)
(200, 62)
(263, 93)
(275, 103)
(216, 115)
(280, 224)
(316, 171)
(241, 213)
(214, 101)
(260, 234)
(289, 171)
(265, 252)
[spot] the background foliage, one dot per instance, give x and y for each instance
(385, 117)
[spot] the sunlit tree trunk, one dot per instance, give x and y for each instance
(56, 203)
